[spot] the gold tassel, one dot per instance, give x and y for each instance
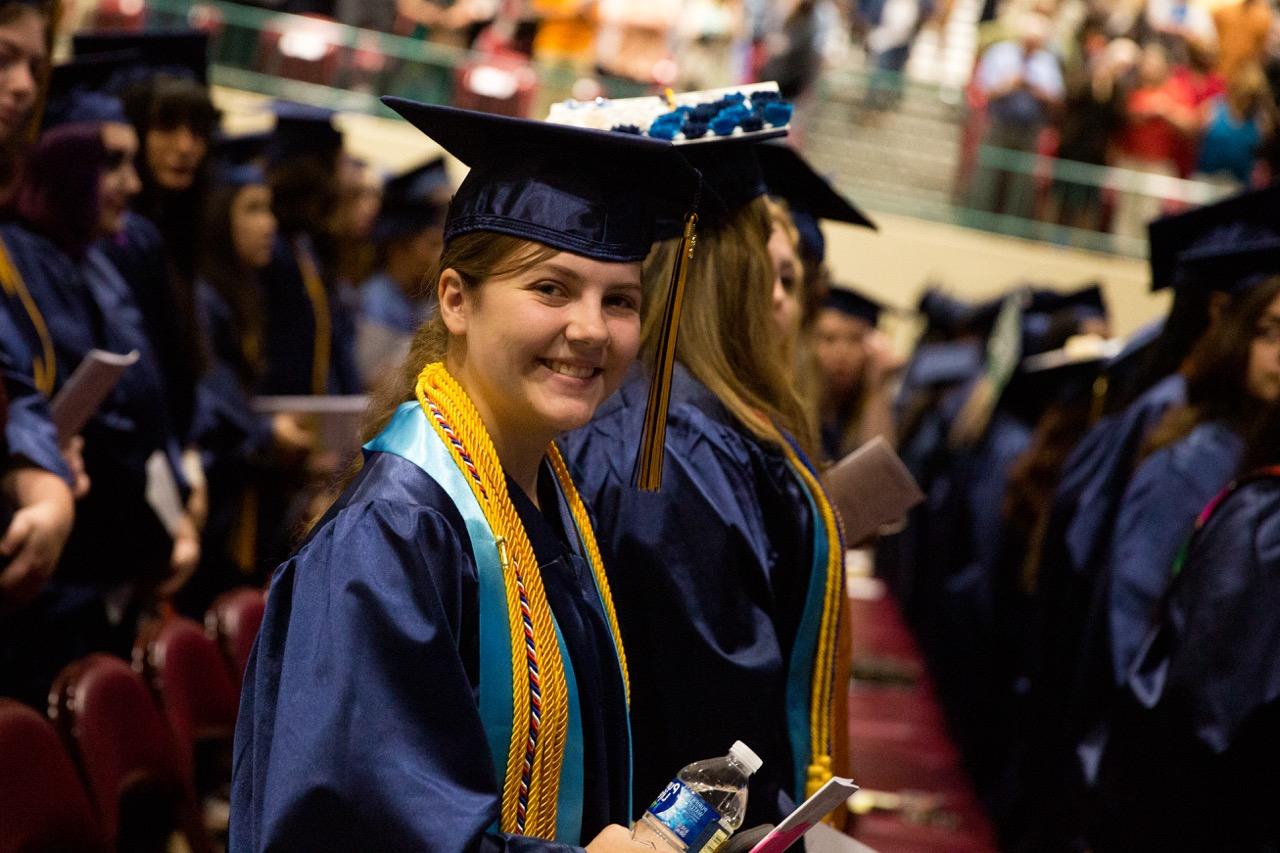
(647, 475)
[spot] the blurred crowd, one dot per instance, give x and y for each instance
(1161, 88)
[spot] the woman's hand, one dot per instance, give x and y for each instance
(37, 533)
(73, 455)
(615, 839)
(183, 560)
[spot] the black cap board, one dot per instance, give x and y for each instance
(850, 302)
(412, 202)
(789, 176)
(1221, 246)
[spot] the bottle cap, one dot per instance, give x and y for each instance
(745, 756)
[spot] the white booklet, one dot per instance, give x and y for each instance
(807, 815)
(82, 393)
(871, 488)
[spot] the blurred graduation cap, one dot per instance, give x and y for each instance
(412, 202)
(77, 90)
(589, 192)
(1086, 301)
(181, 53)
(944, 363)
(1078, 351)
(809, 195)
(239, 150)
(1223, 246)
(853, 304)
(302, 129)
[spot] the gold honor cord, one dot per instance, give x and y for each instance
(653, 432)
(824, 662)
(314, 285)
(44, 366)
(540, 711)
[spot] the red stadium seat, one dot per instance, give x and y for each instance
(127, 756)
(43, 805)
(233, 622)
(189, 678)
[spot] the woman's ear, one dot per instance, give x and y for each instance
(453, 302)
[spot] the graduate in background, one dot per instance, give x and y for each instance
(1199, 710)
(309, 335)
(439, 666)
(856, 366)
(739, 550)
(409, 234)
(1072, 668)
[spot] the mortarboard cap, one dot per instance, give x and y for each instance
(77, 90)
(854, 304)
(302, 129)
(412, 202)
(586, 191)
(239, 150)
(789, 176)
(714, 129)
(944, 363)
(1077, 351)
(1219, 246)
(181, 53)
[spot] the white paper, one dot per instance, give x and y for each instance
(162, 492)
(82, 394)
(871, 488)
(807, 815)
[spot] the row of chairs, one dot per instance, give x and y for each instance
(117, 763)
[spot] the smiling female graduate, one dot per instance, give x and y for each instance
(439, 666)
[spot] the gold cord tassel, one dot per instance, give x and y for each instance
(647, 475)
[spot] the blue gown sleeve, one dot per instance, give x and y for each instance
(29, 433)
(358, 726)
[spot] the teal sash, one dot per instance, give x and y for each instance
(805, 650)
(410, 436)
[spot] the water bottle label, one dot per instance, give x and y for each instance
(689, 817)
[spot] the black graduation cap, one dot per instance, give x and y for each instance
(302, 129)
(412, 201)
(77, 89)
(944, 363)
(850, 302)
(1088, 300)
(239, 150)
(789, 176)
(182, 53)
(1221, 246)
(590, 192)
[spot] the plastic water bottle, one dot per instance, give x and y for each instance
(702, 806)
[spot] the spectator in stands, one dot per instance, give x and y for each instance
(894, 24)
(707, 35)
(1180, 25)
(1160, 116)
(1091, 116)
(1236, 125)
(1243, 28)
(1023, 86)
(795, 57)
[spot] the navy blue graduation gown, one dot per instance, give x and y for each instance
(359, 726)
(1191, 763)
(708, 577)
(1156, 517)
(290, 333)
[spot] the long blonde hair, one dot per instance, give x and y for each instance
(728, 339)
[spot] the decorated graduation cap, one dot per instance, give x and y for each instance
(1224, 246)
(586, 191)
(412, 202)
(77, 90)
(301, 130)
(853, 304)
(180, 53)
(809, 195)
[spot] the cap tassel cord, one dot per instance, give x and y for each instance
(647, 475)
